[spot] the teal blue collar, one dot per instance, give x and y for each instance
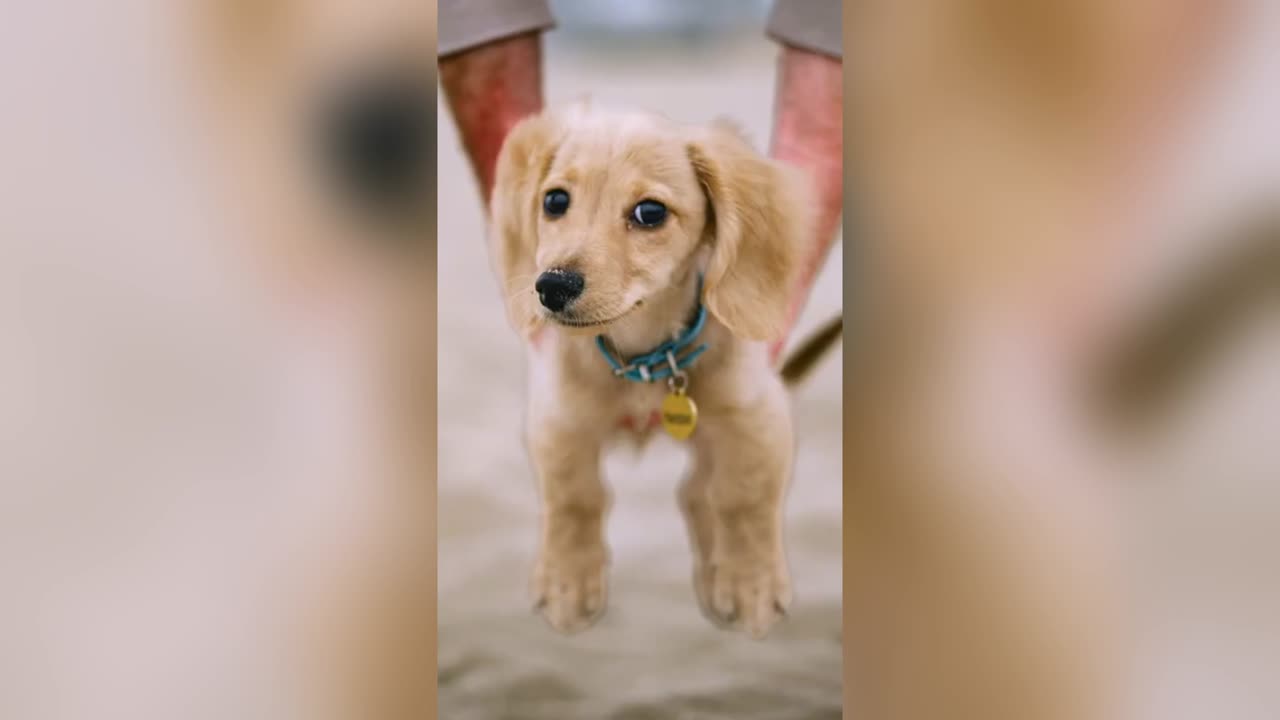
(665, 360)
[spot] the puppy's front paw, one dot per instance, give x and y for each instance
(745, 594)
(569, 590)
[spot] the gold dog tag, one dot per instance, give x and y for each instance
(679, 415)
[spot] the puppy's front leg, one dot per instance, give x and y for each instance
(750, 448)
(569, 586)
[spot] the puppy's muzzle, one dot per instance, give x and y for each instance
(557, 288)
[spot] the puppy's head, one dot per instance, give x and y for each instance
(595, 211)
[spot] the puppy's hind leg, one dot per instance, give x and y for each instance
(569, 584)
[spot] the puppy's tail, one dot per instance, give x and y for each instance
(803, 359)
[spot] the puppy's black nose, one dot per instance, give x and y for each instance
(557, 288)
(377, 134)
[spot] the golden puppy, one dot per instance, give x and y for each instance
(616, 234)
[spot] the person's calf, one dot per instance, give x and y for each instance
(808, 133)
(489, 89)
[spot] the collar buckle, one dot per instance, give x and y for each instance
(662, 362)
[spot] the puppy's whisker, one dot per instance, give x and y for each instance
(525, 290)
(523, 277)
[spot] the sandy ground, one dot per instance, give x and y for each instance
(652, 655)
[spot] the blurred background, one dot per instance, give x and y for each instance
(652, 655)
(993, 501)
(200, 513)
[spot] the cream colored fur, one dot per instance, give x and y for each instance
(733, 215)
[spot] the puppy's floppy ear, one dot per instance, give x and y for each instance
(523, 162)
(757, 222)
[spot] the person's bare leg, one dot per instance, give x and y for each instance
(808, 133)
(488, 90)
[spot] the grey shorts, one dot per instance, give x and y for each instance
(810, 24)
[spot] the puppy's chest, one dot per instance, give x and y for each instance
(638, 408)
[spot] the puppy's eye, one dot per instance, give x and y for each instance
(555, 203)
(649, 213)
